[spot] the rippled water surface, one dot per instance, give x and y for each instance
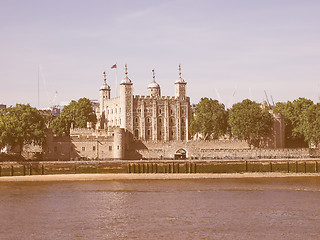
(274, 208)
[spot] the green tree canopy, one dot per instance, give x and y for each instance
(210, 119)
(248, 121)
(294, 115)
(311, 124)
(21, 125)
(77, 112)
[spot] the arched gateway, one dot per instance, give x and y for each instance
(180, 154)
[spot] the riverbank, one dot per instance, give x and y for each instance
(124, 176)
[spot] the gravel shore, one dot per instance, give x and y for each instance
(122, 176)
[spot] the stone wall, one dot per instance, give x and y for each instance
(226, 149)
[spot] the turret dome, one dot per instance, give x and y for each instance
(153, 84)
(154, 87)
(126, 80)
(105, 86)
(180, 80)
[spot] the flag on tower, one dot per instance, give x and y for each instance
(114, 66)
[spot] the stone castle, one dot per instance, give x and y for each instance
(152, 117)
(146, 127)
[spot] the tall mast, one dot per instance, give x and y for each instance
(38, 86)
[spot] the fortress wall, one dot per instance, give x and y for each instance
(213, 149)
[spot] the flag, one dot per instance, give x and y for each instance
(114, 66)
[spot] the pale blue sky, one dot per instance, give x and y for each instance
(271, 45)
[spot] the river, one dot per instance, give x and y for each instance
(250, 208)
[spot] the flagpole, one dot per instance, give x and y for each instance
(38, 86)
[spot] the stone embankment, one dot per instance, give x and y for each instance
(162, 167)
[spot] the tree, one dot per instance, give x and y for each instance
(21, 125)
(294, 115)
(311, 124)
(77, 112)
(210, 119)
(248, 121)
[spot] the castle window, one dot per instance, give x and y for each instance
(136, 119)
(110, 148)
(119, 121)
(112, 111)
(160, 120)
(148, 132)
(171, 111)
(160, 132)
(182, 111)
(83, 149)
(93, 148)
(148, 120)
(118, 147)
(159, 111)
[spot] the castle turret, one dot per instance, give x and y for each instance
(105, 91)
(153, 87)
(180, 86)
(126, 103)
(119, 144)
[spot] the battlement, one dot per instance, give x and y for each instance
(142, 97)
(87, 132)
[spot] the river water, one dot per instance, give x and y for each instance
(263, 208)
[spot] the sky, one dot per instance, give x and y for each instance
(229, 50)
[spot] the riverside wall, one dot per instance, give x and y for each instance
(236, 166)
(219, 149)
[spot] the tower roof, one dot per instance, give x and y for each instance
(153, 83)
(180, 79)
(126, 80)
(104, 86)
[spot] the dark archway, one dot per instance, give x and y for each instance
(181, 154)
